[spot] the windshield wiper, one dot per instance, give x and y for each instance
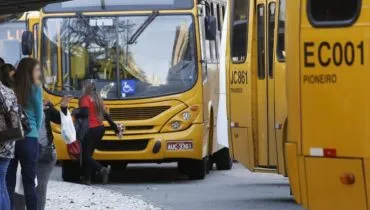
(141, 29)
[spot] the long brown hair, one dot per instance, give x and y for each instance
(23, 80)
(89, 89)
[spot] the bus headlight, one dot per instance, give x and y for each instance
(176, 125)
(186, 116)
(183, 120)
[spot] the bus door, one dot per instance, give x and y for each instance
(33, 22)
(240, 83)
(266, 156)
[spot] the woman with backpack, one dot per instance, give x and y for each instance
(27, 86)
(93, 108)
(6, 148)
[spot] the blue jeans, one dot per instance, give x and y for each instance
(4, 196)
(26, 152)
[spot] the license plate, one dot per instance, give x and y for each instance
(180, 145)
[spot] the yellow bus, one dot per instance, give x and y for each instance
(255, 75)
(155, 63)
(328, 137)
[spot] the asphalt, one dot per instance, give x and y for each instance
(164, 187)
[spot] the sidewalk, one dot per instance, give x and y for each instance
(68, 196)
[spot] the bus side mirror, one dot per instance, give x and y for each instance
(210, 24)
(27, 43)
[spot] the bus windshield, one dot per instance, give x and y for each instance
(161, 60)
(10, 41)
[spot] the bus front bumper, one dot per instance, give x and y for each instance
(158, 147)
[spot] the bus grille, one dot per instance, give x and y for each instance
(123, 145)
(140, 113)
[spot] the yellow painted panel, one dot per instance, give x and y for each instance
(242, 147)
(292, 169)
(325, 190)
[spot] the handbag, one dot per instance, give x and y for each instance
(81, 125)
(25, 121)
(74, 150)
(10, 122)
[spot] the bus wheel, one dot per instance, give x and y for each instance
(198, 169)
(70, 171)
(223, 159)
(182, 166)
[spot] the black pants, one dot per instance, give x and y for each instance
(91, 141)
(26, 152)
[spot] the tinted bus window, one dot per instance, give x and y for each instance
(330, 12)
(271, 34)
(115, 5)
(281, 32)
(10, 41)
(240, 30)
(261, 41)
(219, 21)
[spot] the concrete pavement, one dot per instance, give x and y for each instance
(238, 189)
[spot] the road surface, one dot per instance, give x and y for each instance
(162, 186)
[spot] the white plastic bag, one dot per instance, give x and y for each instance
(19, 182)
(68, 128)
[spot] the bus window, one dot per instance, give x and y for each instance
(49, 60)
(281, 32)
(271, 30)
(36, 38)
(212, 10)
(261, 40)
(333, 12)
(240, 30)
(223, 12)
(219, 21)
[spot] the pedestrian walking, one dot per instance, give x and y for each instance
(93, 108)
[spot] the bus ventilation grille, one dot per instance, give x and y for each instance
(123, 145)
(139, 113)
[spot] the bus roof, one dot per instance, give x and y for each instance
(117, 5)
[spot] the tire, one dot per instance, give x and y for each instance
(198, 169)
(71, 171)
(182, 167)
(223, 159)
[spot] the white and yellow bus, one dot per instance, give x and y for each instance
(155, 63)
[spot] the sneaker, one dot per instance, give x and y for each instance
(105, 171)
